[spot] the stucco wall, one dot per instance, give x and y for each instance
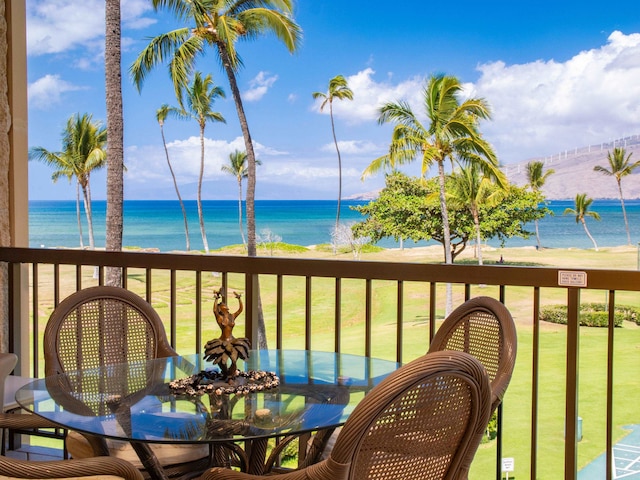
(5, 123)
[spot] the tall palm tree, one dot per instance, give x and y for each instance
(620, 166)
(161, 116)
(471, 190)
(200, 95)
(581, 210)
(451, 134)
(237, 167)
(115, 131)
(219, 24)
(83, 142)
(338, 90)
(536, 180)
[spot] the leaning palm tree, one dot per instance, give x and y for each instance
(161, 116)
(83, 142)
(581, 210)
(536, 180)
(338, 90)
(620, 166)
(115, 131)
(219, 24)
(472, 190)
(200, 95)
(237, 167)
(451, 134)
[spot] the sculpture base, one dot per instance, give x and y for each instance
(214, 382)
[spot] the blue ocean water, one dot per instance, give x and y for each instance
(159, 224)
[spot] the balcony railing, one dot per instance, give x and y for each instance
(388, 310)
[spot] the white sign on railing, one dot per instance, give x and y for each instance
(570, 278)
(508, 465)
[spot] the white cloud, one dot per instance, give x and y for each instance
(369, 96)
(539, 108)
(545, 106)
(354, 147)
(46, 92)
(56, 26)
(148, 163)
(259, 86)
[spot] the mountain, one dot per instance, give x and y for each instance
(574, 172)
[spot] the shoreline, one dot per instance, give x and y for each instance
(621, 257)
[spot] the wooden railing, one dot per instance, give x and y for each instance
(310, 304)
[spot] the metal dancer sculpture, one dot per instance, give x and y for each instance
(226, 350)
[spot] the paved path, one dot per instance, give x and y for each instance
(626, 459)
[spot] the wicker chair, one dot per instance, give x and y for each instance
(423, 422)
(18, 469)
(484, 328)
(104, 326)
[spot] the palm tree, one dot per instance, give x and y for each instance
(237, 167)
(115, 131)
(581, 211)
(452, 133)
(219, 24)
(536, 180)
(472, 190)
(620, 166)
(338, 90)
(82, 152)
(161, 116)
(200, 96)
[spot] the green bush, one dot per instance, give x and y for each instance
(492, 429)
(591, 315)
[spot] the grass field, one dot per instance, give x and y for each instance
(517, 404)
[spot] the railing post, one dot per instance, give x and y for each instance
(571, 412)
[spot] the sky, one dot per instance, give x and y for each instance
(557, 74)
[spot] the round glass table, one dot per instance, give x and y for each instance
(317, 391)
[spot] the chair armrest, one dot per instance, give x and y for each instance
(69, 468)
(19, 421)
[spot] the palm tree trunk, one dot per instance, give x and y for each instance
(624, 213)
(115, 134)
(86, 193)
(584, 224)
(535, 222)
(200, 213)
(175, 185)
(446, 234)
(248, 145)
(240, 211)
(335, 141)
(251, 182)
(78, 214)
(476, 222)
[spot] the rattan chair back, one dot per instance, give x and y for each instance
(484, 328)
(100, 326)
(422, 422)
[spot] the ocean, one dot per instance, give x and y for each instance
(158, 224)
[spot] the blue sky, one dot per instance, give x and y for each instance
(557, 74)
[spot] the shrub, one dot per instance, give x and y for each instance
(591, 315)
(492, 429)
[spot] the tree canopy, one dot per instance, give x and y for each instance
(407, 209)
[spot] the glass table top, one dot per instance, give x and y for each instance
(135, 402)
